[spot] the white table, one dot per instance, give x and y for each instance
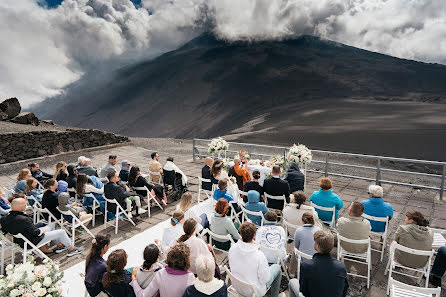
(263, 171)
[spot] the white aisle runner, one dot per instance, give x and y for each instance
(74, 283)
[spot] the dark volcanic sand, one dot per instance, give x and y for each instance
(399, 129)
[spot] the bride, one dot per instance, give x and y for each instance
(219, 173)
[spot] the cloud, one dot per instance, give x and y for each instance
(43, 50)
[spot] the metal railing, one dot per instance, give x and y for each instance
(323, 161)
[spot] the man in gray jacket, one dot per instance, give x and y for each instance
(354, 226)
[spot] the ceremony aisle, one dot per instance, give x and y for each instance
(74, 282)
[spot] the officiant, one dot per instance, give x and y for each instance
(240, 173)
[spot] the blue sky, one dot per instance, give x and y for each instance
(55, 3)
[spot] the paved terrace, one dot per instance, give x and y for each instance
(402, 199)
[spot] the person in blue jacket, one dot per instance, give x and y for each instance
(375, 206)
(326, 198)
(254, 205)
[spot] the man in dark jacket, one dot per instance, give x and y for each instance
(125, 170)
(206, 173)
(323, 275)
(17, 222)
(295, 178)
(276, 186)
(72, 176)
(114, 191)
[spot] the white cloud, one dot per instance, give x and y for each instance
(44, 50)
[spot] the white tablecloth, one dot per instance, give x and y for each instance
(263, 171)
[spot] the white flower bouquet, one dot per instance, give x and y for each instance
(217, 145)
(29, 280)
(299, 154)
(276, 160)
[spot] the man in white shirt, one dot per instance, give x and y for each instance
(272, 236)
(250, 265)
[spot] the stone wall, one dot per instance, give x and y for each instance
(21, 146)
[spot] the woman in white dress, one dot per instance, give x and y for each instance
(219, 173)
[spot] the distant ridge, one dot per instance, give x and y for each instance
(317, 91)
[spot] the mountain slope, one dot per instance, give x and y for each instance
(303, 89)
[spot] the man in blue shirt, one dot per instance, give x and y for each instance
(375, 206)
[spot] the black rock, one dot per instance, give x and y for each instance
(11, 107)
(27, 118)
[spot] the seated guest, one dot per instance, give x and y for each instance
(77, 210)
(146, 273)
(295, 178)
(110, 166)
(50, 200)
(180, 176)
(62, 187)
(61, 171)
(276, 186)
(222, 192)
(376, 207)
(32, 190)
(272, 236)
(39, 174)
(206, 284)
(116, 280)
(95, 265)
(222, 225)
(86, 168)
(155, 166)
(354, 226)
(125, 170)
(4, 205)
(254, 205)
(323, 275)
(174, 230)
(241, 174)
(206, 174)
(135, 180)
(326, 198)
(172, 280)
(185, 206)
(90, 185)
(17, 222)
(196, 245)
(72, 176)
(113, 191)
(303, 237)
(20, 186)
(415, 234)
(253, 185)
(293, 212)
(250, 265)
(438, 268)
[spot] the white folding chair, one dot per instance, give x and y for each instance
(28, 250)
(238, 287)
(288, 226)
(332, 222)
(160, 180)
(39, 185)
(382, 235)
(95, 207)
(34, 207)
(221, 238)
(201, 190)
(439, 239)
(120, 214)
(299, 256)
(279, 198)
(242, 193)
(234, 214)
(364, 258)
(150, 198)
(392, 264)
(279, 259)
(75, 223)
(399, 289)
(6, 244)
(253, 213)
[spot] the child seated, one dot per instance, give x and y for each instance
(66, 205)
(4, 207)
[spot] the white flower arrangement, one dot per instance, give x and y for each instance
(299, 154)
(217, 145)
(29, 280)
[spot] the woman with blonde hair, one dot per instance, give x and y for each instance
(185, 206)
(61, 171)
(20, 186)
